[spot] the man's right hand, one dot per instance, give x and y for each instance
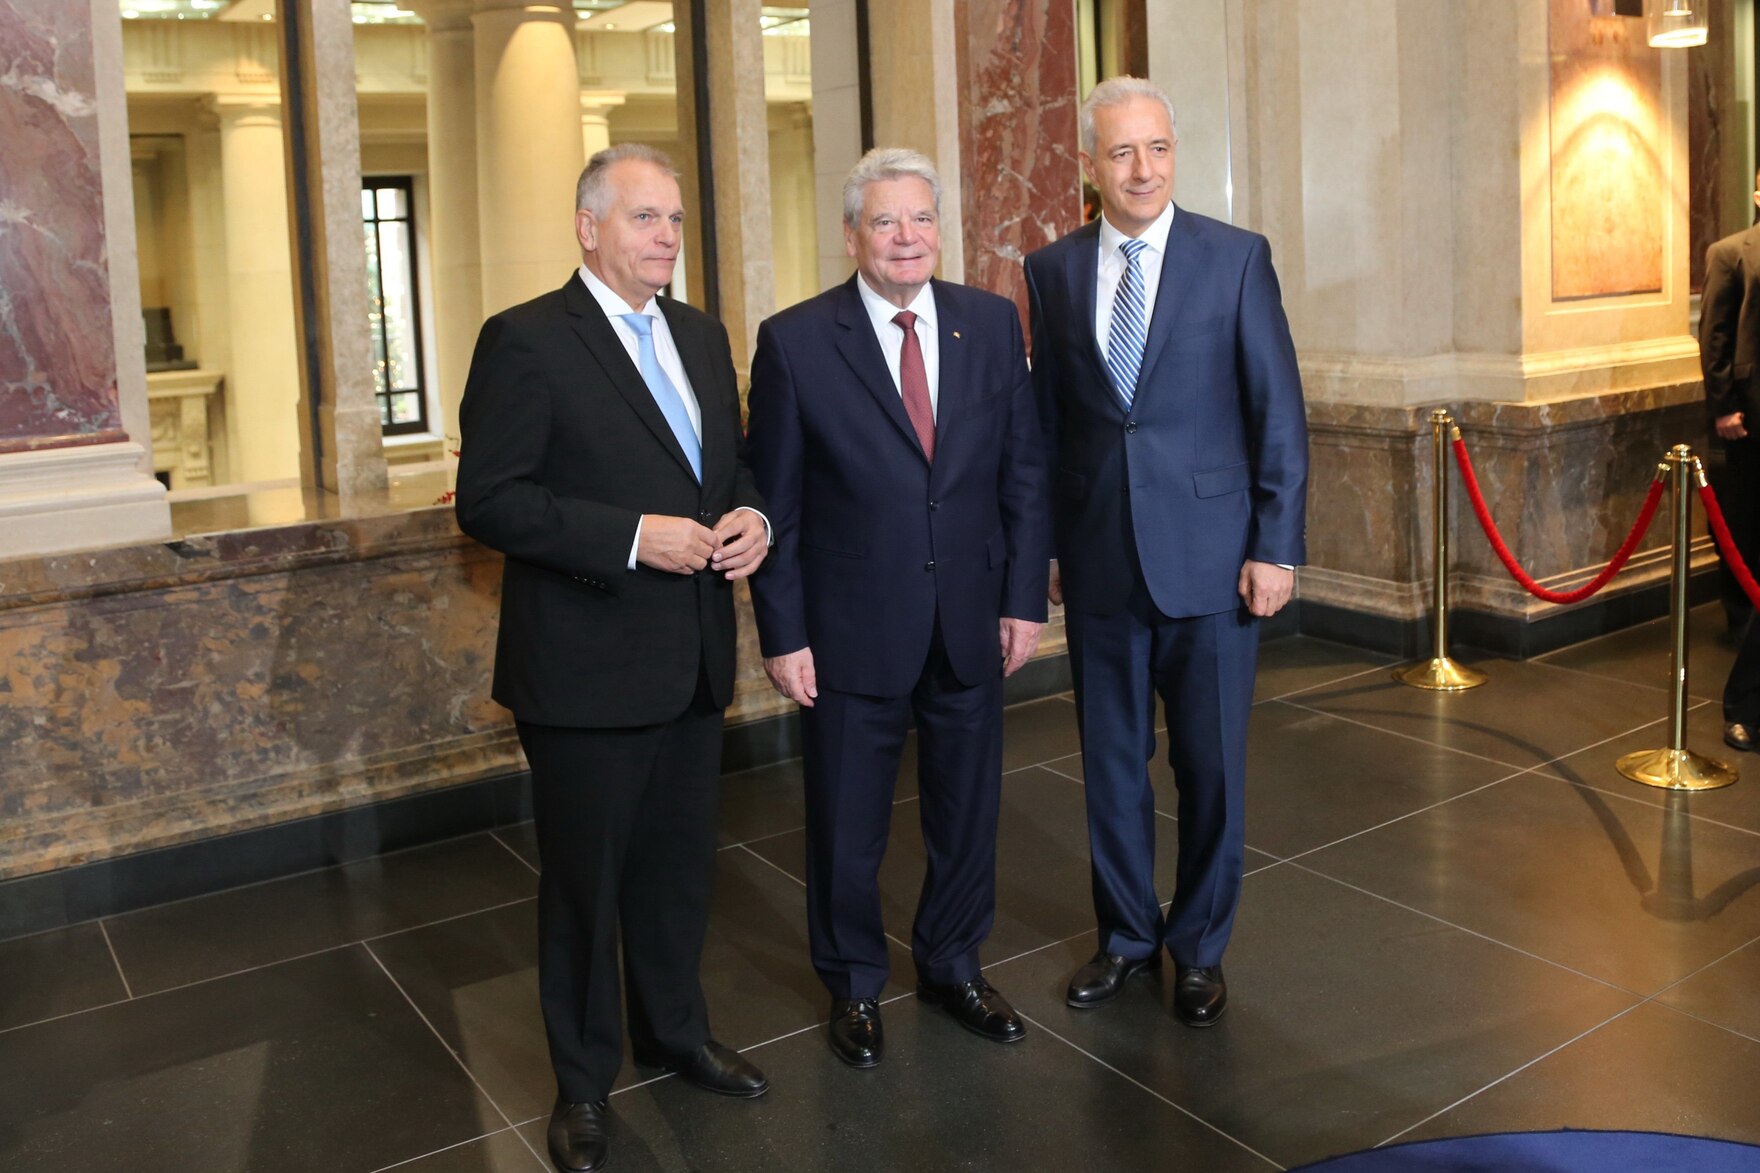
(677, 545)
(793, 676)
(1730, 426)
(1054, 586)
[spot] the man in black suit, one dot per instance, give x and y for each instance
(602, 455)
(1729, 347)
(894, 437)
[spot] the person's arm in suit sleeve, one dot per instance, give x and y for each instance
(1044, 386)
(1277, 426)
(742, 545)
(1023, 493)
(775, 447)
(1720, 310)
(504, 424)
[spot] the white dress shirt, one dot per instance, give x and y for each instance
(666, 353)
(881, 312)
(1112, 270)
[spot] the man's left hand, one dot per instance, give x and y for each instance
(1265, 587)
(741, 543)
(1019, 638)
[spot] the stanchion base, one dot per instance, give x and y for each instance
(1675, 769)
(1439, 674)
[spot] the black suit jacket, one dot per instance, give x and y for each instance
(562, 450)
(1729, 326)
(874, 544)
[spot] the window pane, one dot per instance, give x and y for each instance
(393, 203)
(406, 407)
(397, 291)
(366, 205)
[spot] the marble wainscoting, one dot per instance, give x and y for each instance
(157, 695)
(1564, 482)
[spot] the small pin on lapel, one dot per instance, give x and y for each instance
(956, 333)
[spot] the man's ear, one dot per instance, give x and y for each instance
(586, 231)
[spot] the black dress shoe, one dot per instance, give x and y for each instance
(1103, 978)
(719, 1069)
(1199, 994)
(578, 1136)
(1738, 735)
(976, 1006)
(856, 1037)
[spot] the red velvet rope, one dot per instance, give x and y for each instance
(1515, 568)
(1732, 557)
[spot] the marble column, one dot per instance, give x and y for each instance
(454, 240)
(262, 383)
(1020, 180)
(70, 474)
(596, 108)
(529, 148)
(916, 67)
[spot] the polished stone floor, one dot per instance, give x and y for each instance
(1459, 919)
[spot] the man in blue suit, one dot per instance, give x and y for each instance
(1168, 386)
(895, 440)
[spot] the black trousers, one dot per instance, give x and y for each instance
(1734, 469)
(851, 746)
(626, 837)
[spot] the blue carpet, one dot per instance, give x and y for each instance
(1552, 1152)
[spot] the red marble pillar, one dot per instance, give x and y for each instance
(1021, 185)
(57, 353)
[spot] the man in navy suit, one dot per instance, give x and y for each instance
(1168, 386)
(894, 438)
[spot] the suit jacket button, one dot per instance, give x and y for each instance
(1130, 425)
(934, 505)
(928, 566)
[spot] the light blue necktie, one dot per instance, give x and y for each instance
(666, 395)
(1130, 325)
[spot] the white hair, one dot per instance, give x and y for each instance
(1116, 91)
(881, 164)
(592, 191)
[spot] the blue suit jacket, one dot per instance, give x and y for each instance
(872, 541)
(1209, 466)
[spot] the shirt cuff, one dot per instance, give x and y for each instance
(635, 545)
(769, 534)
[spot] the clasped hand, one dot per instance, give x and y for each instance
(734, 548)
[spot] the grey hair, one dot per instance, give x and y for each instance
(1116, 91)
(592, 191)
(881, 164)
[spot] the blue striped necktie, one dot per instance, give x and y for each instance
(666, 395)
(1130, 325)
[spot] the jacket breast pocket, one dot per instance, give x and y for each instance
(1195, 335)
(841, 550)
(1214, 482)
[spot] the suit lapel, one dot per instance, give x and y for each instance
(1083, 275)
(952, 382)
(602, 342)
(861, 350)
(1185, 253)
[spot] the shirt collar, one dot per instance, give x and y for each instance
(614, 306)
(882, 311)
(1155, 236)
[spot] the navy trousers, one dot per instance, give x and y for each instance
(1202, 667)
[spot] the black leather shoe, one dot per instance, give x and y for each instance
(977, 1006)
(856, 1037)
(1737, 735)
(1103, 978)
(1199, 994)
(716, 1068)
(578, 1136)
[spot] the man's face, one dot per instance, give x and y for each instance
(1132, 163)
(897, 241)
(634, 246)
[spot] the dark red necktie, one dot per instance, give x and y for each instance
(913, 381)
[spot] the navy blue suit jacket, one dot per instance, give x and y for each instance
(1209, 466)
(872, 541)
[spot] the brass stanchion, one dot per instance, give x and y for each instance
(1440, 673)
(1677, 767)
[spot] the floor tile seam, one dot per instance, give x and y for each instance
(1601, 676)
(1606, 635)
(1637, 798)
(1700, 1018)
(803, 884)
(115, 960)
(1174, 819)
(799, 829)
(496, 835)
(1390, 665)
(1408, 815)
(1516, 766)
(1559, 965)
(447, 1149)
(439, 1038)
(1140, 1085)
(1508, 1075)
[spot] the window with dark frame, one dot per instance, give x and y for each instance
(394, 309)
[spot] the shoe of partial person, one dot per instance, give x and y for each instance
(1739, 735)
(579, 1138)
(1199, 994)
(1103, 978)
(856, 1036)
(715, 1068)
(976, 1006)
